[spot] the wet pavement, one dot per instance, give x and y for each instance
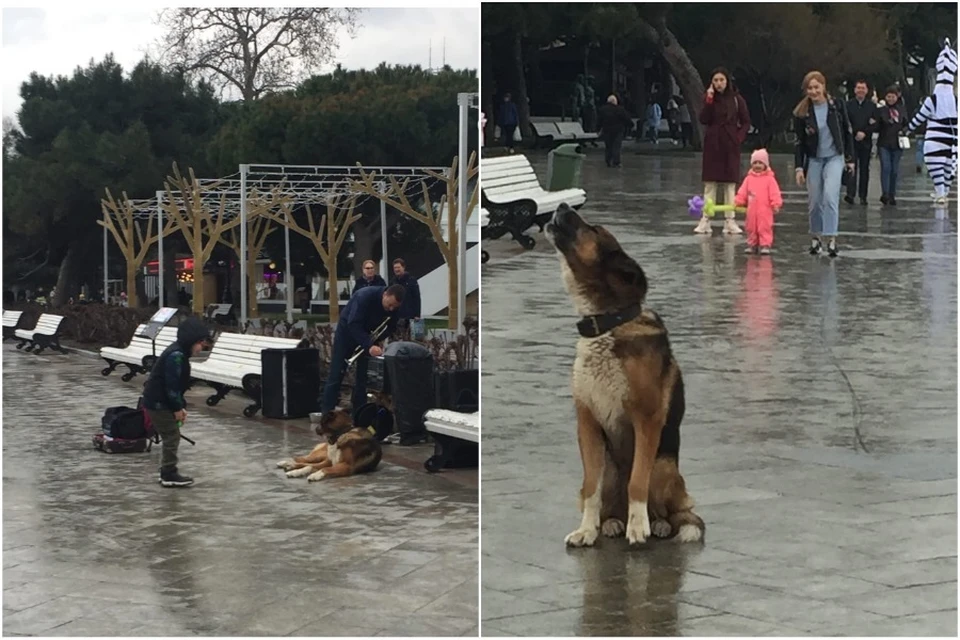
(820, 435)
(93, 546)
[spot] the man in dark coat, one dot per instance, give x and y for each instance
(614, 124)
(726, 121)
(411, 302)
(370, 277)
(862, 113)
(508, 121)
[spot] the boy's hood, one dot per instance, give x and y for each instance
(191, 331)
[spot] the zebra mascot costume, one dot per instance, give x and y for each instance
(939, 111)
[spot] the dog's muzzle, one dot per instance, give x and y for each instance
(563, 225)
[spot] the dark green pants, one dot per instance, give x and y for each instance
(166, 425)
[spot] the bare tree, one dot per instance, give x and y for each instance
(255, 50)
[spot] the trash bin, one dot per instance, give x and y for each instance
(563, 167)
(290, 383)
(409, 368)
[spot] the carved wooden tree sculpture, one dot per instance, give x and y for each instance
(396, 197)
(327, 237)
(259, 229)
(200, 228)
(119, 219)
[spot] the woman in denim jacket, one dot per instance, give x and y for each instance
(824, 145)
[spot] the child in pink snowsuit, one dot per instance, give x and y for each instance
(760, 194)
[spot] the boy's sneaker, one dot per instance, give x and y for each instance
(730, 226)
(892, 201)
(816, 248)
(750, 249)
(174, 479)
(848, 199)
(863, 201)
(764, 251)
(832, 248)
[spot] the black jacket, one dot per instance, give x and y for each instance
(807, 132)
(860, 116)
(410, 308)
(362, 282)
(363, 314)
(614, 121)
(170, 376)
(891, 122)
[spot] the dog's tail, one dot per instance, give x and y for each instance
(688, 525)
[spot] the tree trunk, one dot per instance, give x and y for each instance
(487, 90)
(132, 300)
(453, 308)
(66, 278)
(171, 287)
(253, 307)
(688, 78)
(334, 296)
(198, 285)
(520, 88)
(140, 287)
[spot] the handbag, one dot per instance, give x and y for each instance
(904, 142)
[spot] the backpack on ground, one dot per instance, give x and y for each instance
(125, 430)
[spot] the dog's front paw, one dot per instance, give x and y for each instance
(582, 538)
(314, 477)
(661, 529)
(612, 528)
(638, 526)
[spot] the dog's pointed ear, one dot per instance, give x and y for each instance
(627, 270)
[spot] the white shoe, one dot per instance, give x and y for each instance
(941, 200)
(704, 226)
(730, 226)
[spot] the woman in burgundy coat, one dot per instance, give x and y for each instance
(726, 121)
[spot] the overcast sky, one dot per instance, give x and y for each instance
(55, 41)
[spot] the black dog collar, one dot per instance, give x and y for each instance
(595, 326)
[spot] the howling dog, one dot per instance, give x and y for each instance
(628, 395)
(348, 450)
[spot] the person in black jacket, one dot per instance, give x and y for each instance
(824, 145)
(163, 395)
(411, 304)
(615, 122)
(370, 277)
(862, 112)
(892, 121)
(366, 310)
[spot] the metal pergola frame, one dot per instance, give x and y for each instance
(310, 184)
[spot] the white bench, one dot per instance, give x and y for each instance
(140, 354)
(574, 131)
(453, 432)
(234, 363)
(45, 334)
(515, 201)
(11, 321)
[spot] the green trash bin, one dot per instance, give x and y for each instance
(563, 167)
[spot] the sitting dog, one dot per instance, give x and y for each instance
(349, 450)
(628, 394)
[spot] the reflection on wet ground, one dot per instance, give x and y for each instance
(820, 437)
(93, 546)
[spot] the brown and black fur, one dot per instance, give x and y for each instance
(348, 450)
(628, 394)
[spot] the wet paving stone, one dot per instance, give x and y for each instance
(93, 546)
(820, 435)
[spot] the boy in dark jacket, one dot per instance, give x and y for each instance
(364, 313)
(163, 395)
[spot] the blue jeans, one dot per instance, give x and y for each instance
(343, 348)
(889, 169)
(823, 189)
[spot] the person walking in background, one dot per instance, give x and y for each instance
(862, 113)
(654, 115)
(891, 122)
(672, 112)
(370, 277)
(686, 124)
(760, 194)
(939, 113)
(824, 144)
(614, 124)
(726, 121)
(508, 120)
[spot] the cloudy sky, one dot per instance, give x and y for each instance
(55, 41)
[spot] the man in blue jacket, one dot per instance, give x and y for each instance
(364, 313)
